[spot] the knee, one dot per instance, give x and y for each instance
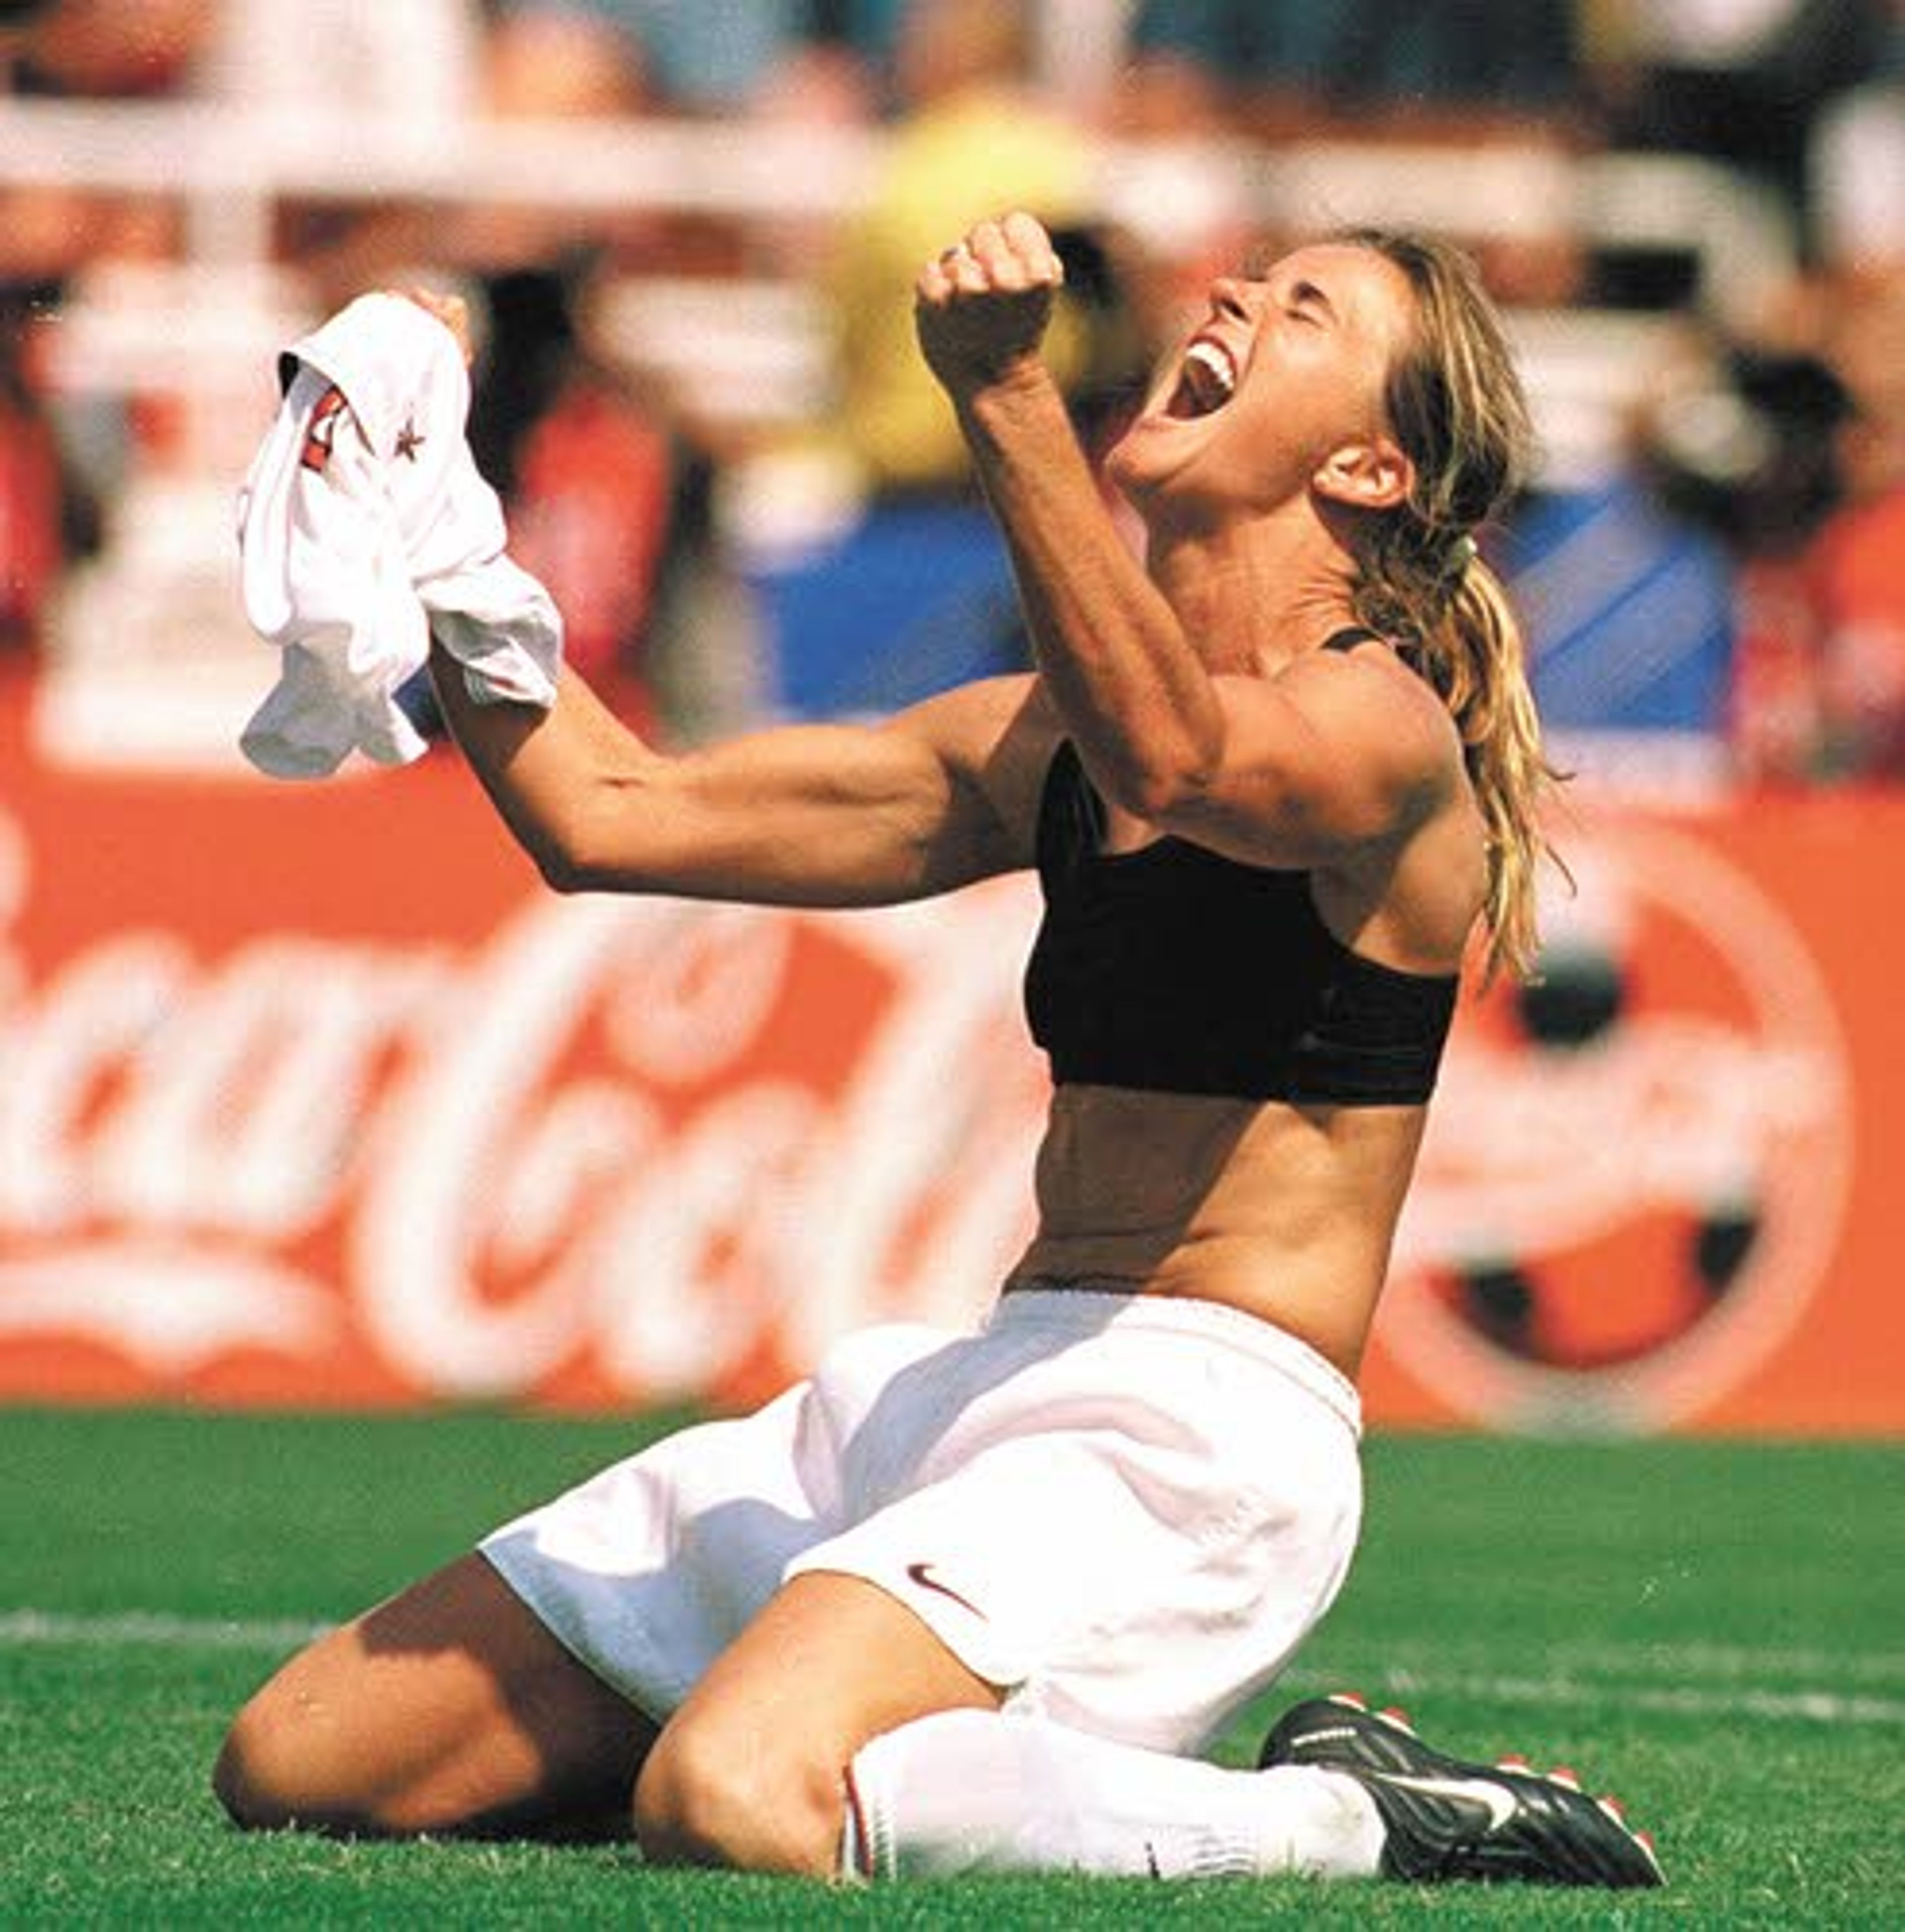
(706, 1799)
(272, 1774)
(254, 1778)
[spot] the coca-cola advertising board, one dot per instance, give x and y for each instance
(316, 1095)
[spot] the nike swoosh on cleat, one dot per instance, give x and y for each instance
(1337, 1733)
(1501, 1805)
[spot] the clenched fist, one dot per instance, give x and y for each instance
(983, 305)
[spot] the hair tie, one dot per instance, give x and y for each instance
(1462, 553)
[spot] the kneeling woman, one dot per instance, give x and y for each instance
(976, 1601)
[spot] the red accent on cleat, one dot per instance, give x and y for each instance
(1561, 1775)
(1514, 1761)
(1395, 1715)
(1354, 1699)
(1613, 1807)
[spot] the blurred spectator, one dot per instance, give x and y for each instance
(548, 59)
(1740, 81)
(111, 49)
(826, 83)
(95, 49)
(1629, 577)
(1466, 73)
(711, 59)
(1849, 617)
(410, 70)
(1793, 451)
(545, 60)
(52, 504)
(827, 88)
(1855, 165)
(970, 138)
(413, 71)
(897, 585)
(47, 518)
(416, 64)
(607, 503)
(1743, 440)
(1369, 67)
(588, 60)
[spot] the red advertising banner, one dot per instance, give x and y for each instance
(314, 1095)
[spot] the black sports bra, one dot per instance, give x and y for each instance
(1173, 969)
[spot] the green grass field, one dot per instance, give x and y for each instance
(1714, 1630)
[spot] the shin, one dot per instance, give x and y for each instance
(971, 1791)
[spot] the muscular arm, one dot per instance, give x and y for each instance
(1144, 712)
(1301, 770)
(819, 815)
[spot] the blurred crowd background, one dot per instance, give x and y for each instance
(687, 228)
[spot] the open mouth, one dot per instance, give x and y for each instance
(1206, 381)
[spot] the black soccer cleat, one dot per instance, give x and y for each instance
(1445, 1818)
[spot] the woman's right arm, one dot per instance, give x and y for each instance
(810, 814)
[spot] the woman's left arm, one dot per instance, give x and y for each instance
(1295, 770)
(1134, 694)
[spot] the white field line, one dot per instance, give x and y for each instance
(154, 1630)
(1649, 1662)
(1616, 1677)
(1688, 1700)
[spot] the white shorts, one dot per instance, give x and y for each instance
(1126, 1511)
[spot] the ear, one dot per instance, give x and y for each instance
(1372, 475)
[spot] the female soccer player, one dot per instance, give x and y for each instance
(975, 1601)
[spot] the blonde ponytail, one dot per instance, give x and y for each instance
(1474, 658)
(1455, 402)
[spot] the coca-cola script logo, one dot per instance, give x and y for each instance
(1636, 1172)
(598, 1152)
(618, 1149)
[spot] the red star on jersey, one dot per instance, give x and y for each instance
(321, 431)
(408, 439)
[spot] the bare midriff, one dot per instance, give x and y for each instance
(1285, 1213)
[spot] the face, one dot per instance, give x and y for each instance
(1278, 390)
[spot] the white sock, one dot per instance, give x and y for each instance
(966, 1791)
